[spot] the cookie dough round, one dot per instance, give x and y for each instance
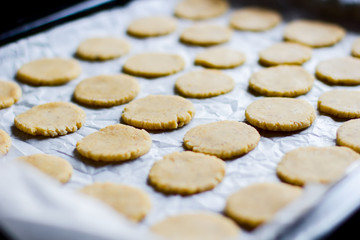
(313, 33)
(204, 84)
(5, 142)
(198, 225)
(280, 114)
(51, 119)
(258, 203)
(115, 143)
(254, 19)
(205, 34)
(131, 202)
(224, 139)
(355, 49)
(315, 164)
(159, 112)
(348, 134)
(153, 65)
(220, 57)
(56, 167)
(282, 81)
(285, 53)
(340, 103)
(186, 173)
(344, 71)
(107, 90)
(102, 48)
(10, 93)
(152, 26)
(49, 71)
(201, 9)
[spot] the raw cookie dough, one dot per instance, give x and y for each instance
(254, 19)
(355, 49)
(201, 9)
(281, 81)
(132, 202)
(340, 103)
(205, 34)
(159, 112)
(315, 164)
(49, 71)
(348, 134)
(196, 226)
(56, 167)
(313, 33)
(186, 173)
(344, 71)
(285, 53)
(280, 114)
(10, 93)
(107, 90)
(204, 83)
(115, 143)
(152, 26)
(102, 48)
(5, 142)
(258, 203)
(153, 65)
(51, 119)
(224, 139)
(220, 57)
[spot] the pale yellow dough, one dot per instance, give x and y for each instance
(204, 84)
(56, 167)
(285, 53)
(282, 81)
(280, 114)
(51, 119)
(340, 103)
(5, 142)
(205, 34)
(152, 26)
(49, 71)
(107, 90)
(197, 226)
(224, 139)
(344, 71)
(355, 49)
(348, 134)
(315, 164)
(153, 65)
(201, 9)
(258, 203)
(254, 19)
(186, 173)
(102, 48)
(115, 143)
(10, 93)
(220, 57)
(159, 112)
(131, 202)
(313, 33)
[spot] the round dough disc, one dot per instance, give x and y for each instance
(254, 19)
(153, 64)
(51, 119)
(258, 203)
(340, 103)
(204, 84)
(194, 226)
(220, 57)
(315, 164)
(201, 9)
(313, 33)
(107, 90)
(102, 48)
(115, 143)
(56, 167)
(159, 112)
(280, 114)
(49, 71)
(132, 202)
(205, 34)
(224, 139)
(344, 71)
(281, 81)
(186, 173)
(348, 134)
(355, 49)
(285, 53)
(10, 93)
(5, 142)
(152, 26)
